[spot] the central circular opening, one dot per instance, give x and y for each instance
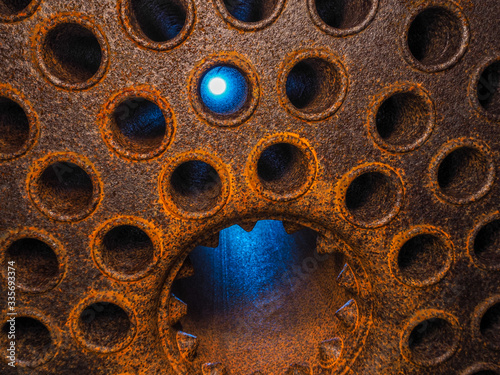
(160, 20)
(14, 127)
(490, 325)
(224, 90)
(251, 10)
(431, 339)
(263, 291)
(487, 244)
(195, 186)
(344, 14)
(463, 173)
(72, 53)
(36, 263)
(65, 188)
(312, 86)
(488, 89)
(435, 36)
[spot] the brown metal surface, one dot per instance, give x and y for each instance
(392, 165)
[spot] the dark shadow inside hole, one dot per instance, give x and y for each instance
(104, 324)
(343, 14)
(402, 118)
(127, 249)
(463, 172)
(302, 85)
(431, 339)
(487, 244)
(261, 288)
(435, 36)
(490, 324)
(33, 339)
(65, 188)
(14, 126)
(422, 257)
(250, 10)
(488, 88)
(196, 186)
(36, 262)
(141, 124)
(160, 20)
(72, 52)
(11, 7)
(486, 372)
(371, 196)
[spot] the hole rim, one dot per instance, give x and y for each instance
(42, 30)
(483, 222)
(109, 131)
(17, 97)
(135, 33)
(38, 168)
(97, 246)
(380, 99)
(420, 317)
(356, 172)
(249, 26)
(478, 315)
(464, 42)
(28, 11)
(326, 56)
(446, 150)
(476, 77)
(308, 154)
(231, 59)
(478, 367)
(401, 239)
(336, 32)
(106, 297)
(54, 331)
(46, 238)
(196, 155)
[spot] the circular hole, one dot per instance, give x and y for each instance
(195, 186)
(36, 263)
(344, 14)
(487, 244)
(371, 197)
(431, 340)
(104, 324)
(488, 89)
(463, 173)
(127, 249)
(435, 36)
(65, 189)
(10, 8)
(423, 257)
(312, 86)
(490, 325)
(139, 125)
(72, 53)
(160, 20)
(403, 119)
(14, 127)
(224, 90)
(251, 10)
(33, 340)
(282, 168)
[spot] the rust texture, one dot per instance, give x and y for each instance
(383, 159)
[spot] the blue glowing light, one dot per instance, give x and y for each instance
(223, 90)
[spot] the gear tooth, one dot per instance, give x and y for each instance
(247, 226)
(186, 269)
(347, 280)
(348, 314)
(187, 344)
(291, 227)
(329, 351)
(176, 309)
(299, 369)
(215, 368)
(212, 241)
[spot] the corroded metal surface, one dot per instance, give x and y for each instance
(373, 123)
